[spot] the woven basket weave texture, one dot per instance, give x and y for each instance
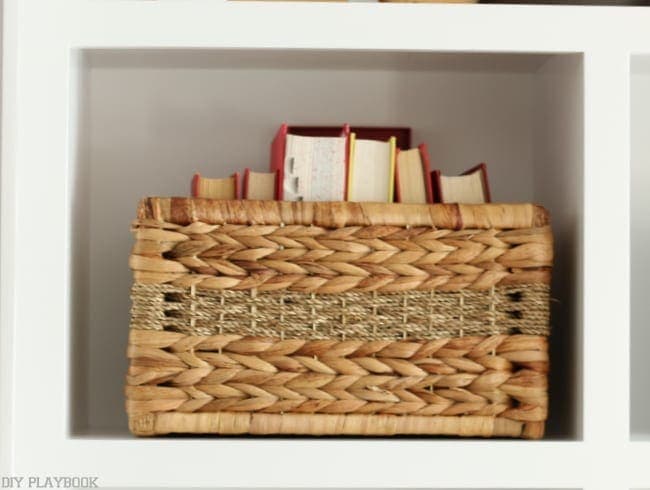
(339, 318)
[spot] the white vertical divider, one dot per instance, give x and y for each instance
(606, 266)
(640, 247)
(637, 459)
(7, 234)
(38, 285)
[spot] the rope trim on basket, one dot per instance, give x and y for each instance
(150, 424)
(359, 315)
(183, 211)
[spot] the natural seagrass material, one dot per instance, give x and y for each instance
(360, 315)
(339, 318)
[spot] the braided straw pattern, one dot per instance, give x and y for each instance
(359, 315)
(496, 376)
(314, 259)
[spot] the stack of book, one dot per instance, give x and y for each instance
(368, 164)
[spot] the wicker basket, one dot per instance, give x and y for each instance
(268, 317)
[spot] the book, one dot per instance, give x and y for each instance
(412, 176)
(380, 133)
(226, 188)
(310, 168)
(471, 187)
(259, 185)
(371, 170)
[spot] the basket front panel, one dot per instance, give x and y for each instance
(370, 327)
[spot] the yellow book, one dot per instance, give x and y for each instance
(371, 172)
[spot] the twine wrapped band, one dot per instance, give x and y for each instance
(359, 315)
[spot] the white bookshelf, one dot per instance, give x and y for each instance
(105, 102)
(640, 238)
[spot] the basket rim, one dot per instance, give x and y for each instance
(184, 210)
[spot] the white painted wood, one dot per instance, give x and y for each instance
(558, 157)
(7, 236)
(366, 463)
(43, 180)
(334, 25)
(640, 237)
(636, 464)
(606, 239)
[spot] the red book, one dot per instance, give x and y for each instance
(278, 153)
(471, 187)
(412, 176)
(227, 188)
(259, 185)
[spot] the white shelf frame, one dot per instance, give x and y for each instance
(40, 39)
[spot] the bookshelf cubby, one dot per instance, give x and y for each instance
(149, 119)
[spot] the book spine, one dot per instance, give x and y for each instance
(247, 172)
(435, 185)
(345, 132)
(277, 182)
(194, 187)
(235, 176)
(351, 143)
(398, 193)
(391, 175)
(426, 169)
(278, 151)
(486, 184)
